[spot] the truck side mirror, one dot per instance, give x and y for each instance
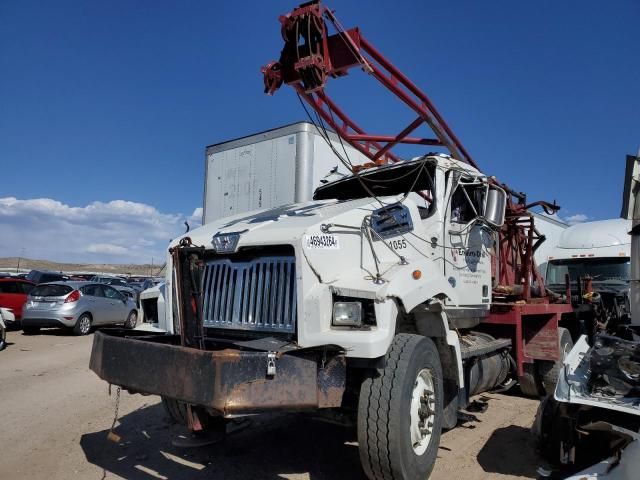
(495, 205)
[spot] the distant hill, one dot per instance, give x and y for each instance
(9, 265)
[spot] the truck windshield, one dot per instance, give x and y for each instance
(396, 179)
(611, 270)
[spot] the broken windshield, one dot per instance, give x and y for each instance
(396, 179)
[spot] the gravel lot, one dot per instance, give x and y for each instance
(56, 414)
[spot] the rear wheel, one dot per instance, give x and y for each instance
(83, 325)
(550, 371)
(400, 411)
(3, 337)
(131, 320)
(176, 410)
(530, 381)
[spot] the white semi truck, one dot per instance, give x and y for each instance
(381, 306)
(393, 296)
(595, 258)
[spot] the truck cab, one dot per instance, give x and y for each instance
(594, 257)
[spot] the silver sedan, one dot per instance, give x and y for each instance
(77, 305)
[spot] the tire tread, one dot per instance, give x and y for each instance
(383, 391)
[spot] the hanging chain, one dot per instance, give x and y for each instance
(112, 435)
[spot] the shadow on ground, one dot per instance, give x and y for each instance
(510, 451)
(53, 332)
(268, 448)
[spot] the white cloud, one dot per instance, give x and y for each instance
(116, 231)
(108, 248)
(570, 220)
(577, 218)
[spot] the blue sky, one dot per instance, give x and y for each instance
(116, 101)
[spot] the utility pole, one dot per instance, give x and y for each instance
(19, 258)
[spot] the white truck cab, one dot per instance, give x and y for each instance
(378, 297)
(600, 249)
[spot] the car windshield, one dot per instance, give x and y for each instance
(52, 290)
(609, 270)
(396, 179)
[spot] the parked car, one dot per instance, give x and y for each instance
(84, 276)
(13, 295)
(119, 284)
(77, 305)
(43, 276)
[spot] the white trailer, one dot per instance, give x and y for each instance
(552, 229)
(270, 169)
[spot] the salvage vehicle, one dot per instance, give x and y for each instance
(595, 257)
(589, 427)
(13, 295)
(44, 276)
(77, 305)
(395, 295)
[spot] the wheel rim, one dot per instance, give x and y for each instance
(85, 324)
(133, 318)
(423, 411)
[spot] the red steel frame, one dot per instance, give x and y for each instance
(334, 56)
(310, 56)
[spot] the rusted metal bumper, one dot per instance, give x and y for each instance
(224, 380)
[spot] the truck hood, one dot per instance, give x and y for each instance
(335, 254)
(283, 225)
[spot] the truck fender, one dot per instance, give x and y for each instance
(431, 321)
(413, 294)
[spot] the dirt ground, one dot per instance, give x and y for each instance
(55, 414)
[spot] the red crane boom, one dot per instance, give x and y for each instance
(311, 56)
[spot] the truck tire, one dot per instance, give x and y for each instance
(547, 430)
(549, 371)
(400, 411)
(530, 382)
(176, 410)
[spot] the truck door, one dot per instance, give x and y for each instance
(468, 244)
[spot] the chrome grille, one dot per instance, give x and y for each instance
(256, 294)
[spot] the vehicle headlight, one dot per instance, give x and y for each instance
(347, 314)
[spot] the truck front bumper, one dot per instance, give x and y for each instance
(227, 380)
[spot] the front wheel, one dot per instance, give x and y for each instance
(83, 325)
(131, 320)
(3, 337)
(400, 411)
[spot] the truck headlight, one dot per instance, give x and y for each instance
(347, 314)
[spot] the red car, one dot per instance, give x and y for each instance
(13, 294)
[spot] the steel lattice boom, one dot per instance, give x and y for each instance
(311, 56)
